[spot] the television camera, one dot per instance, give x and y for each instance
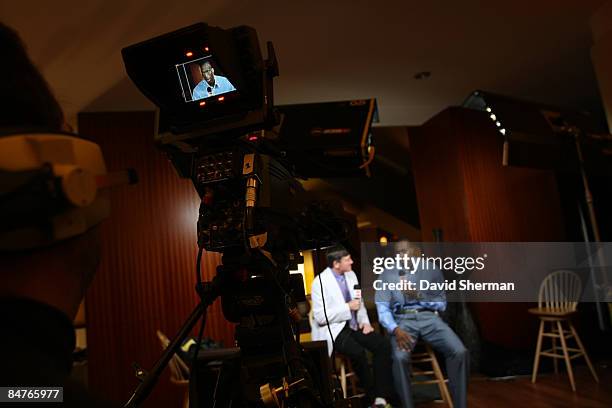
(218, 125)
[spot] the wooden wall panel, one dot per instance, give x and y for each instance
(504, 203)
(463, 189)
(438, 181)
(147, 273)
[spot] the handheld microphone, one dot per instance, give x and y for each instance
(357, 290)
(403, 278)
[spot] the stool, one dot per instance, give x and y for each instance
(557, 302)
(435, 374)
(346, 372)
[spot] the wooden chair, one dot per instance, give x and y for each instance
(435, 373)
(347, 376)
(179, 371)
(557, 302)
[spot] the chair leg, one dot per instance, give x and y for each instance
(584, 353)
(554, 344)
(186, 398)
(568, 362)
(448, 398)
(440, 379)
(536, 361)
(343, 378)
(352, 381)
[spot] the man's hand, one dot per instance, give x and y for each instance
(366, 328)
(404, 340)
(354, 304)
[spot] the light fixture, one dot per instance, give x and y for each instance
(502, 131)
(488, 109)
(493, 116)
(497, 124)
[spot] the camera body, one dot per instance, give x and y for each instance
(241, 153)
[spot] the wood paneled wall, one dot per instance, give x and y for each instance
(463, 189)
(147, 273)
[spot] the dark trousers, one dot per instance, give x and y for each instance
(353, 344)
(435, 331)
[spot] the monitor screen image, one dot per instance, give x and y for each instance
(201, 79)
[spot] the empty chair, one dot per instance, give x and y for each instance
(557, 301)
(179, 371)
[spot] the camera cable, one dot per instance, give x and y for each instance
(331, 336)
(198, 343)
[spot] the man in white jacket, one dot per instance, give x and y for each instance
(336, 310)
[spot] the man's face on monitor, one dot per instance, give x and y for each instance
(208, 72)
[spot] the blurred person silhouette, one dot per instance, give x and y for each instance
(51, 202)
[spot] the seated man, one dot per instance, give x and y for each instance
(410, 315)
(350, 326)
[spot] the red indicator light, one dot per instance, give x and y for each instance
(221, 98)
(189, 54)
(252, 138)
(202, 103)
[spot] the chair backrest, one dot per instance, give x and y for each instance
(560, 290)
(163, 339)
(179, 371)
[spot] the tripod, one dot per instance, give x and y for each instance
(255, 293)
(208, 293)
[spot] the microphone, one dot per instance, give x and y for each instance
(357, 290)
(403, 279)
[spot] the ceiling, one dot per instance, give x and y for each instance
(332, 50)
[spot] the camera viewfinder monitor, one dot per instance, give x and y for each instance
(208, 82)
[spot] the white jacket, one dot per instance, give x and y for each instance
(338, 311)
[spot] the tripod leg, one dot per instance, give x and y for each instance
(143, 389)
